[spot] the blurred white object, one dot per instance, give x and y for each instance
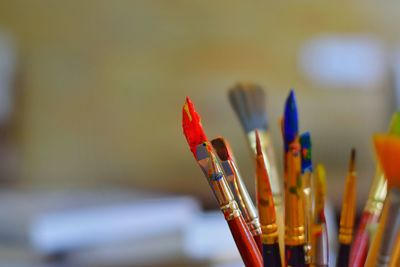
(115, 228)
(343, 61)
(8, 62)
(209, 237)
(69, 230)
(206, 239)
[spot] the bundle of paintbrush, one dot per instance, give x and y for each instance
(288, 227)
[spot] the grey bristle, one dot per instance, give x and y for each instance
(248, 102)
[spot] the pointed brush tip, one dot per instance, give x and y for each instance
(352, 160)
(258, 144)
(292, 95)
(353, 153)
(290, 118)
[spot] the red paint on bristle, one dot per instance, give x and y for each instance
(192, 127)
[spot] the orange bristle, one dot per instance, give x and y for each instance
(388, 152)
(258, 144)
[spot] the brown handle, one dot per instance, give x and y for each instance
(245, 243)
(257, 238)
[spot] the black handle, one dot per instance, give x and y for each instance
(271, 255)
(295, 256)
(343, 256)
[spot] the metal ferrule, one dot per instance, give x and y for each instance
(391, 226)
(239, 190)
(294, 209)
(377, 193)
(213, 172)
(269, 234)
(270, 163)
(320, 247)
(348, 210)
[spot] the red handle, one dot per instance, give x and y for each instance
(245, 243)
(359, 249)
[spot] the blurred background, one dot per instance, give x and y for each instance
(90, 116)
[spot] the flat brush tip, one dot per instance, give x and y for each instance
(248, 102)
(258, 144)
(221, 146)
(388, 152)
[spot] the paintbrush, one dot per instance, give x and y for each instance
(388, 152)
(202, 150)
(306, 175)
(266, 209)
(373, 207)
(320, 245)
(248, 102)
(347, 215)
(232, 174)
(294, 212)
(395, 258)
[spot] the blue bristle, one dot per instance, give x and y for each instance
(290, 119)
(306, 156)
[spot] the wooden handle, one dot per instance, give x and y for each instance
(359, 249)
(245, 243)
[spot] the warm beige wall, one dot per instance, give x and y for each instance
(104, 82)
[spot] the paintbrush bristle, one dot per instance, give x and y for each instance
(388, 152)
(394, 127)
(258, 144)
(352, 163)
(192, 127)
(290, 119)
(306, 160)
(320, 193)
(321, 179)
(248, 102)
(222, 148)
